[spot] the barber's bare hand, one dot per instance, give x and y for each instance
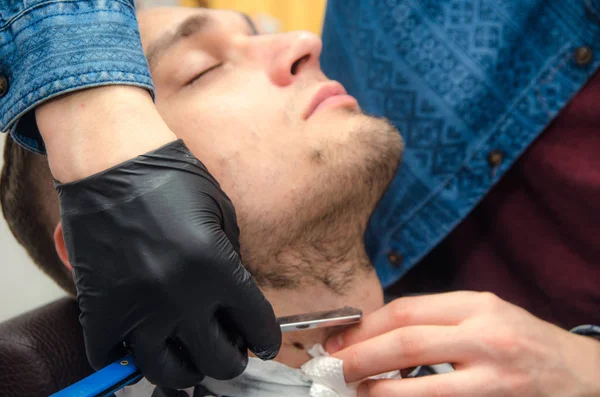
(497, 349)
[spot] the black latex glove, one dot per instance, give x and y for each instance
(155, 251)
(165, 392)
(199, 391)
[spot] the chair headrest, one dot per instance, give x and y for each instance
(42, 351)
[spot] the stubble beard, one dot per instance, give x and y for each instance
(320, 238)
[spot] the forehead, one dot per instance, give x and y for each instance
(156, 22)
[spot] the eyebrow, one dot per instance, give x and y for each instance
(250, 23)
(192, 25)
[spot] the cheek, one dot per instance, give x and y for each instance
(237, 128)
(212, 140)
(247, 141)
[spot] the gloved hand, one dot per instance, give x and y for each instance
(166, 392)
(155, 252)
(199, 391)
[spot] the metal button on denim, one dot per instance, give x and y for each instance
(495, 158)
(3, 85)
(395, 259)
(583, 55)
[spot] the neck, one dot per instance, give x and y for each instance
(362, 291)
(315, 265)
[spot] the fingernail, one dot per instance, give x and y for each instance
(265, 353)
(362, 390)
(334, 344)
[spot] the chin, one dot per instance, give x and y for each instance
(374, 156)
(325, 223)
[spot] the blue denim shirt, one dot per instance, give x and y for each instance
(48, 48)
(462, 80)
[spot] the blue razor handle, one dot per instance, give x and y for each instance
(104, 382)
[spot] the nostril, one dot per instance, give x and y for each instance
(299, 62)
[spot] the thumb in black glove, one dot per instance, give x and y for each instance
(199, 391)
(166, 392)
(154, 245)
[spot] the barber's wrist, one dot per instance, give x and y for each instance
(584, 362)
(594, 369)
(89, 131)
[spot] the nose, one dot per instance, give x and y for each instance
(288, 56)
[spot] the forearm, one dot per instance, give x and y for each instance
(91, 130)
(587, 366)
(587, 358)
(55, 48)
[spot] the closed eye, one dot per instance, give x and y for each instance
(204, 72)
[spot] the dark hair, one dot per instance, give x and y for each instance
(30, 207)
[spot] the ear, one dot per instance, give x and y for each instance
(59, 244)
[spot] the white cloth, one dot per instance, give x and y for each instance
(327, 375)
(260, 379)
(322, 376)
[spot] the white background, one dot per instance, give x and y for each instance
(22, 285)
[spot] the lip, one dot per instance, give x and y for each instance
(326, 92)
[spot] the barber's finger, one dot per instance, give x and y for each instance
(201, 391)
(103, 343)
(229, 222)
(164, 362)
(455, 384)
(100, 354)
(253, 317)
(439, 309)
(220, 353)
(405, 348)
(165, 392)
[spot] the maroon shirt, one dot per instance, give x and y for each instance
(535, 239)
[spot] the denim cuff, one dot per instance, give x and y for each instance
(50, 48)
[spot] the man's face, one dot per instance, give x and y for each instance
(245, 105)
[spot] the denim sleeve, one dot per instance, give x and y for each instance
(52, 47)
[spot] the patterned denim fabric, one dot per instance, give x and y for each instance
(48, 48)
(460, 79)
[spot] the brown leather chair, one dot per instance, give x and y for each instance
(42, 351)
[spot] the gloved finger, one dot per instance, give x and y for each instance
(253, 317)
(221, 354)
(164, 362)
(101, 349)
(201, 391)
(217, 200)
(166, 392)
(229, 222)
(249, 312)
